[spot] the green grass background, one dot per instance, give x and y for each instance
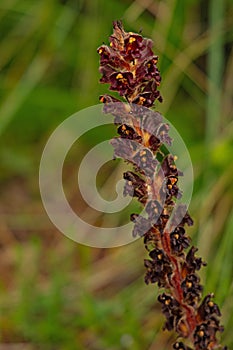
(55, 293)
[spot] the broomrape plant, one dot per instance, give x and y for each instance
(129, 65)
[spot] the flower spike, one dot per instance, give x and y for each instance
(129, 66)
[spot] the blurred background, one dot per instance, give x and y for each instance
(55, 293)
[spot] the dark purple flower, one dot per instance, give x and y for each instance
(171, 310)
(191, 289)
(135, 186)
(148, 70)
(208, 308)
(122, 82)
(127, 132)
(193, 263)
(154, 209)
(106, 72)
(178, 240)
(142, 225)
(145, 161)
(158, 268)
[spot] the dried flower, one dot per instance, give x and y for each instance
(129, 66)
